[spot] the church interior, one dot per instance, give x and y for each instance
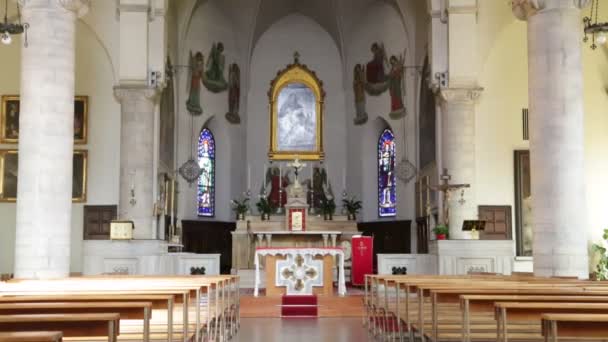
(283, 170)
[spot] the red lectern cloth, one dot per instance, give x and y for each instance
(363, 256)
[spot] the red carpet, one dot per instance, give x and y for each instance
(299, 306)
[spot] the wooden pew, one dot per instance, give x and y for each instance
(71, 325)
(32, 336)
(533, 311)
(558, 326)
(127, 310)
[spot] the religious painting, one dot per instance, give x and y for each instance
(167, 121)
(296, 114)
(9, 165)
(427, 119)
(387, 192)
(523, 203)
(9, 121)
(81, 113)
(206, 181)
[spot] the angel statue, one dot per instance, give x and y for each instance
(196, 75)
(321, 188)
(396, 86)
(214, 75)
(275, 186)
(359, 90)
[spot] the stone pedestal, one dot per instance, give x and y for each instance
(458, 152)
(137, 178)
(556, 136)
(46, 139)
(456, 257)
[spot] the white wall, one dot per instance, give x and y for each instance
(95, 78)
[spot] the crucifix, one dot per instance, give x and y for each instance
(297, 166)
(446, 188)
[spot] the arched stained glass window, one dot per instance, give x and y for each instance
(387, 192)
(206, 182)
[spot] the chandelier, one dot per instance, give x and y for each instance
(597, 30)
(7, 29)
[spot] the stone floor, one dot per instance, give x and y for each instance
(302, 330)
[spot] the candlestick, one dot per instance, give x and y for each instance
(280, 176)
(248, 176)
(343, 178)
(264, 177)
(172, 199)
(312, 177)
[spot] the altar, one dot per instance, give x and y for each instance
(299, 271)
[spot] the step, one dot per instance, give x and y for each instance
(299, 310)
(299, 300)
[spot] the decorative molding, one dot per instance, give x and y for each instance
(130, 93)
(460, 94)
(524, 9)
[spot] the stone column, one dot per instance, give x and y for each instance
(46, 138)
(458, 152)
(136, 200)
(556, 135)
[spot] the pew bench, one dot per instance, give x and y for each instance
(574, 326)
(71, 325)
(31, 336)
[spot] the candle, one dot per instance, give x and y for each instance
(172, 198)
(248, 177)
(312, 178)
(264, 177)
(428, 190)
(280, 176)
(343, 178)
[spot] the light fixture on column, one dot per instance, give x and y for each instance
(7, 29)
(598, 31)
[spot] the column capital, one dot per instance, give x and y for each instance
(524, 9)
(467, 95)
(129, 93)
(80, 7)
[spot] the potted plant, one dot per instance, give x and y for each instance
(601, 270)
(352, 207)
(441, 231)
(240, 208)
(264, 208)
(328, 207)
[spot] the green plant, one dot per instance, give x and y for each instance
(240, 207)
(601, 270)
(264, 206)
(328, 206)
(352, 205)
(441, 229)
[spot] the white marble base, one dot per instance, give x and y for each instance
(415, 263)
(142, 257)
(462, 256)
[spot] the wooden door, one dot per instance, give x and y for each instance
(498, 222)
(97, 220)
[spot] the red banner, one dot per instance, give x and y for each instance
(363, 257)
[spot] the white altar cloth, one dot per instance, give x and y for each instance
(333, 251)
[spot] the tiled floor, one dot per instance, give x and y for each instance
(302, 330)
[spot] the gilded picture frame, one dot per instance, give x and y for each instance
(9, 162)
(9, 119)
(296, 99)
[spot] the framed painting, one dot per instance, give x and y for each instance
(9, 119)
(523, 203)
(9, 170)
(296, 98)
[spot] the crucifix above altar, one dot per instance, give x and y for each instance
(446, 189)
(296, 208)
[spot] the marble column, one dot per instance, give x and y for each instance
(46, 138)
(555, 90)
(458, 152)
(136, 200)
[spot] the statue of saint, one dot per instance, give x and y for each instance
(359, 90)
(197, 74)
(214, 75)
(375, 68)
(234, 94)
(396, 87)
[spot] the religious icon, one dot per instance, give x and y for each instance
(277, 183)
(375, 68)
(197, 72)
(396, 87)
(79, 176)
(234, 94)
(359, 90)
(297, 118)
(214, 74)
(81, 113)
(167, 120)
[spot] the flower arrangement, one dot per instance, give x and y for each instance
(240, 208)
(328, 207)
(601, 270)
(441, 231)
(352, 207)
(264, 207)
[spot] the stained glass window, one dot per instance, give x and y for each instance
(387, 192)
(206, 182)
